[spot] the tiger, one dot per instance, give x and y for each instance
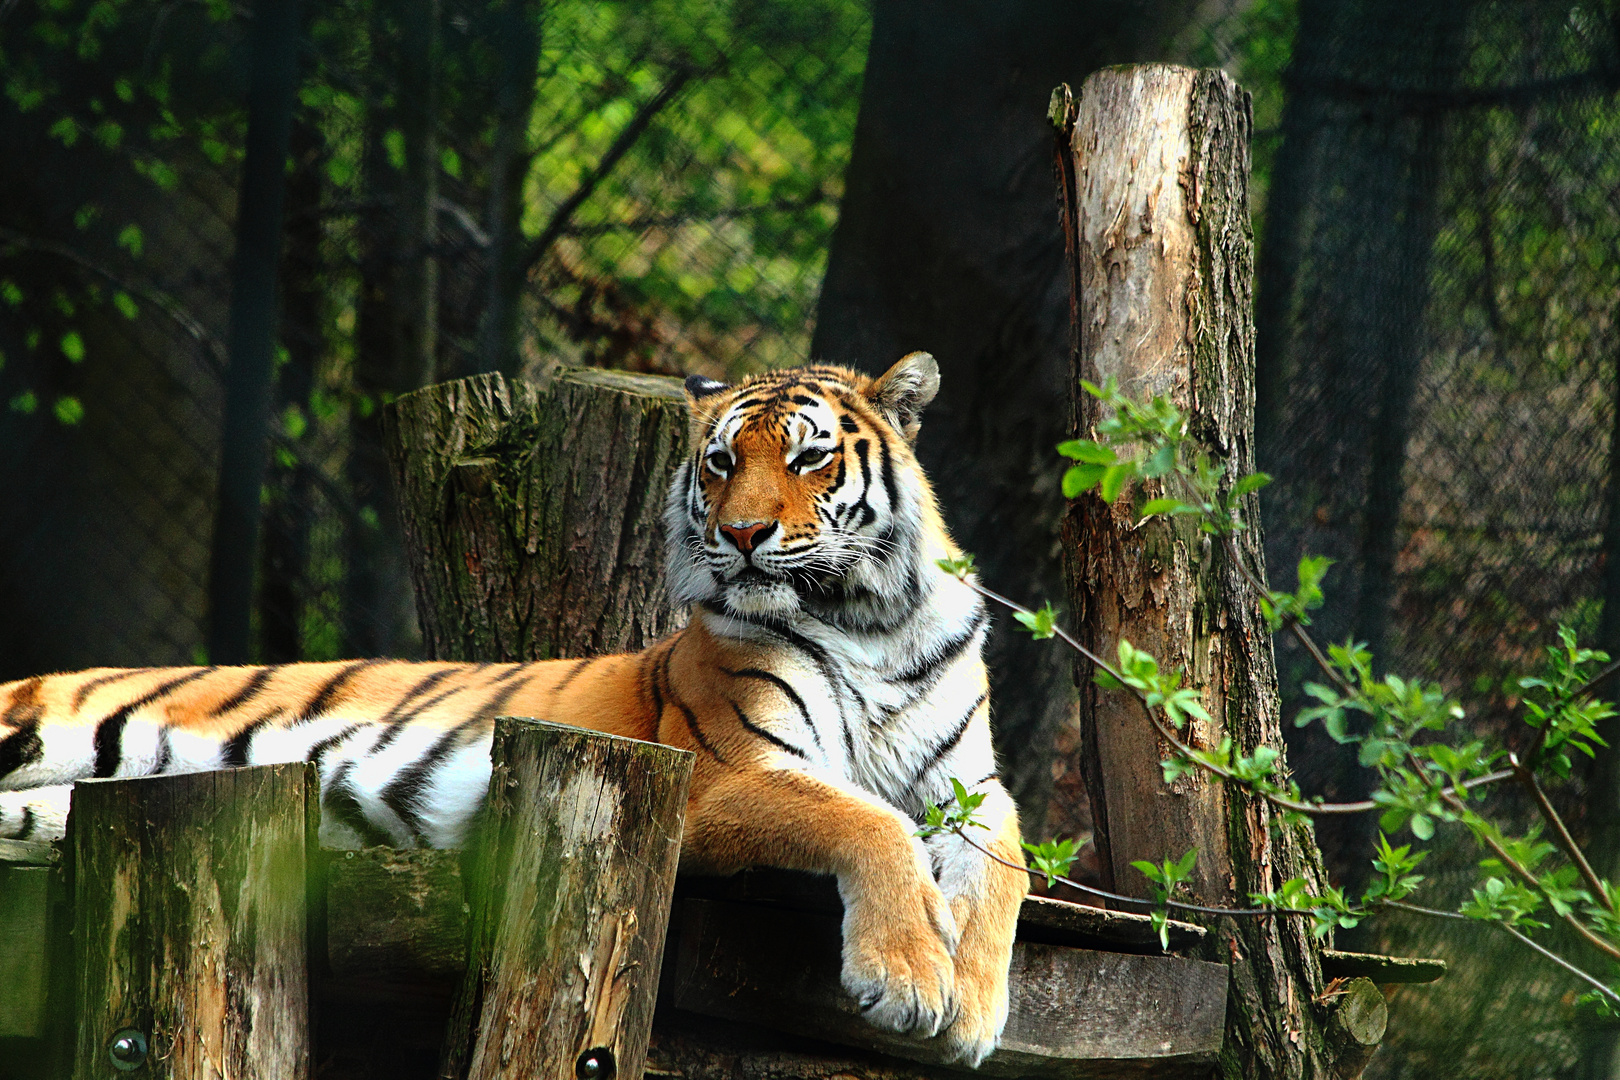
(829, 682)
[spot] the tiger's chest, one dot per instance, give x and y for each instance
(898, 730)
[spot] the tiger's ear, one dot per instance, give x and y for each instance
(702, 395)
(905, 390)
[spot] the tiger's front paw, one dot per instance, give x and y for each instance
(982, 1002)
(897, 958)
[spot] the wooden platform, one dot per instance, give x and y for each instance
(1092, 995)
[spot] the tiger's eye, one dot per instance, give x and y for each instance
(720, 462)
(810, 459)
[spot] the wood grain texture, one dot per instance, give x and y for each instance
(1164, 273)
(576, 870)
(23, 950)
(1075, 1012)
(1356, 1027)
(395, 914)
(533, 514)
(190, 921)
(1338, 964)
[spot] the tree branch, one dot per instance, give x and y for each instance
(627, 138)
(213, 351)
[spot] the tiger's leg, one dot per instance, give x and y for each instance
(985, 897)
(35, 813)
(899, 933)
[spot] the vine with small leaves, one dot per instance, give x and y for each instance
(1397, 726)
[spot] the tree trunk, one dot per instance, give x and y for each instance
(534, 515)
(395, 335)
(945, 242)
(251, 337)
(190, 923)
(575, 873)
(1164, 256)
(515, 26)
(284, 560)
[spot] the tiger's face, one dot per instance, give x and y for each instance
(802, 489)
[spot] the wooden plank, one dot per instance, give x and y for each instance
(28, 852)
(24, 898)
(1338, 964)
(395, 914)
(570, 904)
(190, 923)
(1076, 1013)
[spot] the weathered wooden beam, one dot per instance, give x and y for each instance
(1164, 268)
(533, 514)
(395, 914)
(190, 923)
(23, 950)
(1338, 964)
(570, 904)
(1076, 1013)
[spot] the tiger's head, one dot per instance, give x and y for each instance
(802, 494)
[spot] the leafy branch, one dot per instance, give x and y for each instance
(1399, 727)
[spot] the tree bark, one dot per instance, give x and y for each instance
(945, 242)
(576, 870)
(251, 337)
(515, 26)
(190, 923)
(284, 558)
(533, 515)
(1164, 257)
(395, 338)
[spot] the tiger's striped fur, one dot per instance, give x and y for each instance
(830, 683)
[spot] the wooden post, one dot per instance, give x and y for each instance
(533, 515)
(190, 924)
(1164, 257)
(575, 874)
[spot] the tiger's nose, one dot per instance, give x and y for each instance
(748, 535)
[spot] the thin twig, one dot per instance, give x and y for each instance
(213, 351)
(627, 138)
(1527, 777)
(1136, 900)
(1183, 748)
(1529, 878)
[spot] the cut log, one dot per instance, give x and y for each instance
(190, 923)
(1356, 1027)
(575, 873)
(1164, 272)
(533, 515)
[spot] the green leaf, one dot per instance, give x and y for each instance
(26, 403)
(1079, 479)
(959, 567)
(73, 346)
(1087, 452)
(1150, 870)
(1113, 480)
(125, 305)
(132, 240)
(1164, 506)
(1422, 826)
(1042, 624)
(1252, 482)
(69, 410)
(1185, 864)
